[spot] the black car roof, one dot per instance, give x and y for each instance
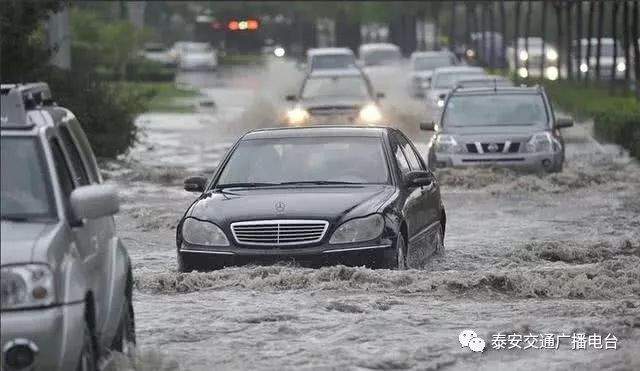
(318, 131)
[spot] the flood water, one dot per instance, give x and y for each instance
(525, 254)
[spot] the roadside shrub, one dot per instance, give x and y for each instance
(106, 112)
(619, 126)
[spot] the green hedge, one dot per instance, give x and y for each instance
(616, 117)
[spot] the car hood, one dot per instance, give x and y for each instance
(334, 101)
(18, 240)
(494, 133)
(323, 202)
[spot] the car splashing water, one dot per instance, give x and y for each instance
(539, 253)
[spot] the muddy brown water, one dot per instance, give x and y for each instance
(525, 253)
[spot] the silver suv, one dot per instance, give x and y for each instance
(500, 126)
(66, 277)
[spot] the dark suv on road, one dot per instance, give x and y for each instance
(66, 277)
(504, 126)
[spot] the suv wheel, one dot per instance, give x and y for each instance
(125, 339)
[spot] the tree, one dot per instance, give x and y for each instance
(24, 50)
(503, 31)
(614, 35)
(516, 35)
(527, 29)
(544, 37)
(635, 39)
(600, 32)
(578, 50)
(592, 8)
(558, 7)
(569, 26)
(625, 41)
(452, 29)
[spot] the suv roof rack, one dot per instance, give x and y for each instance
(17, 99)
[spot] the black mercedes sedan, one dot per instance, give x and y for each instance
(315, 194)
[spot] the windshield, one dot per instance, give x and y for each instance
(431, 63)
(480, 110)
(449, 79)
(381, 57)
(332, 61)
(350, 86)
(25, 194)
(358, 160)
(197, 48)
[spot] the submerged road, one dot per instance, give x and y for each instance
(539, 254)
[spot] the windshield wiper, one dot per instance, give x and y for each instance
(318, 182)
(244, 185)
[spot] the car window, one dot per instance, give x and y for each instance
(79, 171)
(64, 174)
(479, 110)
(431, 63)
(401, 160)
(448, 80)
(410, 154)
(25, 182)
(350, 86)
(332, 61)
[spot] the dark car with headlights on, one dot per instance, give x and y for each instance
(335, 96)
(500, 126)
(315, 194)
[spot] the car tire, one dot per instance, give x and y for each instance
(396, 258)
(125, 339)
(88, 354)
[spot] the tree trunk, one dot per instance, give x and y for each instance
(452, 29)
(636, 45)
(527, 30)
(592, 8)
(503, 31)
(577, 51)
(467, 23)
(626, 42)
(614, 36)
(435, 14)
(558, 6)
(492, 36)
(568, 39)
(516, 35)
(600, 32)
(483, 35)
(544, 38)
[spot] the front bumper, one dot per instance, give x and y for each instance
(57, 332)
(529, 161)
(311, 252)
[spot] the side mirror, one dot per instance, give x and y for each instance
(564, 122)
(426, 84)
(94, 201)
(418, 178)
(195, 184)
(427, 126)
(291, 98)
(380, 95)
(442, 96)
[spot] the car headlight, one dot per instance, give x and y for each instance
(523, 55)
(621, 67)
(551, 73)
(552, 55)
(523, 72)
(541, 142)
(297, 116)
(27, 286)
(197, 232)
(440, 103)
(584, 67)
(358, 230)
(447, 144)
(370, 114)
